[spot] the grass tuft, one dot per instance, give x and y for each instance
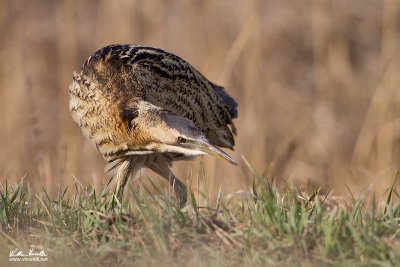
(264, 226)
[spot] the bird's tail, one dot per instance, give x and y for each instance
(230, 103)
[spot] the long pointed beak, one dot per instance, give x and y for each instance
(205, 146)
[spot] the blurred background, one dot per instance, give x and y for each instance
(317, 83)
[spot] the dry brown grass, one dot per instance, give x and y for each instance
(316, 82)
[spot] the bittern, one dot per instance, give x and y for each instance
(144, 107)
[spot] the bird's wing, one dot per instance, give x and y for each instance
(173, 84)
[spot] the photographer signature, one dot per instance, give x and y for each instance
(31, 252)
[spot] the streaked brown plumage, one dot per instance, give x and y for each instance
(144, 107)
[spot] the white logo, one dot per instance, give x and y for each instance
(31, 255)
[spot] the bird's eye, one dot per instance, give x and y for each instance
(181, 139)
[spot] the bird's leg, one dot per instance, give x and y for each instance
(123, 174)
(120, 193)
(163, 169)
(180, 190)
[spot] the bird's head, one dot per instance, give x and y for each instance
(180, 135)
